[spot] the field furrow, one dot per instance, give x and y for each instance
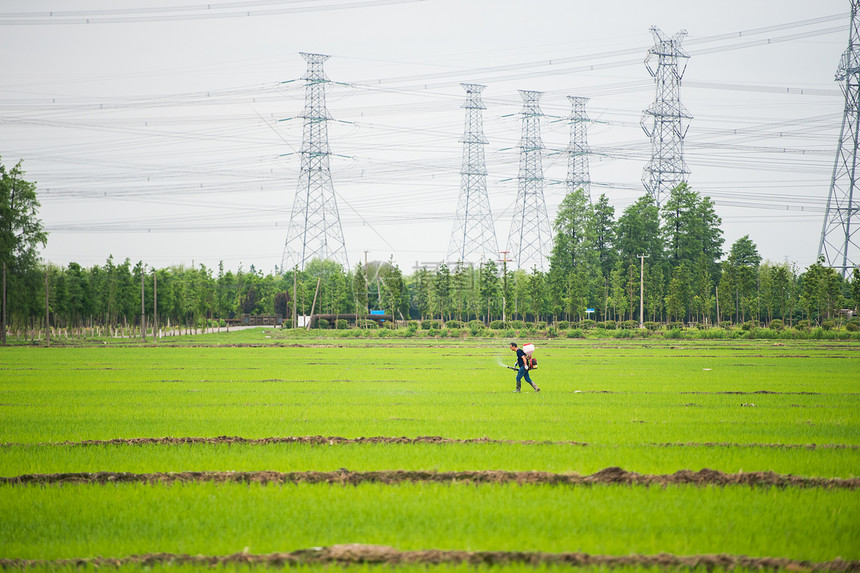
(608, 476)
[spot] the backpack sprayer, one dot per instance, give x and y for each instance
(530, 360)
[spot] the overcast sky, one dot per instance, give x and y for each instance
(165, 131)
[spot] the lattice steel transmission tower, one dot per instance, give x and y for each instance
(530, 238)
(666, 120)
(314, 230)
(474, 237)
(578, 175)
(838, 244)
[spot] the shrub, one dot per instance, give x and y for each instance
(766, 333)
(552, 332)
(510, 333)
(652, 325)
(748, 326)
(366, 323)
(776, 324)
(425, 325)
(434, 332)
(853, 325)
(623, 334)
(575, 333)
(562, 325)
(828, 325)
(675, 326)
(383, 333)
(587, 324)
(497, 325)
(476, 324)
(540, 325)
(342, 324)
(673, 333)
(444, 333)
(414, 324)
(630, 324)
(454, 324)
(713, 334)
(516, 323)
(802, 325)
(608, 325)
(322, 323)
(726, 324)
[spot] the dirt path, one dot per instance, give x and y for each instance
(613, 476)
(361, 554)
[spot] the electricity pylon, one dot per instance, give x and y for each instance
(666, 120)
(838, 243)
(315, 230)
(530, 238)
(473, 239)
(578, 175)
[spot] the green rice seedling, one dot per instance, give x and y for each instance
(211, 519)
(547, 457)
(633, 395)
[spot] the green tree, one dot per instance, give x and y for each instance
(855, 289)
(631, 288)
(742, 268)
(678, 293)
(617, 281)
(395, 288)
(21, 231)
(654, 292)
(573, 244)
(638, 232)
(691, 227)
(442, 290)
(536, 294)
(822, 289)
(489, 287)
(359, 287)
(781, 291)
(603, 234)
(702, 288)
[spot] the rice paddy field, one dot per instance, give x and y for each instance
(264, 450)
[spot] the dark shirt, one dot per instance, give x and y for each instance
(521, 357)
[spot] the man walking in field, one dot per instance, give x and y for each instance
(522, 363)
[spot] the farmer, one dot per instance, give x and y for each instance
(522, 363)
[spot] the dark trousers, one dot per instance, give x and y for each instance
(523, 372)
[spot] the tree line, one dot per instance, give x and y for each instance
(598, 266)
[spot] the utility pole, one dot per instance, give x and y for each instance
(315, 230)
(504, 260)
(154, 306)
(47, 312)
(295, 296)
(641, 289)
(142, 315)
(839, 244)
(3, 325)
(666, 120)
(474, 234)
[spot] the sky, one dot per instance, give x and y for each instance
(167, 132)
